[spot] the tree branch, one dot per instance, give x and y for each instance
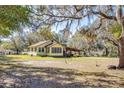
(104, 15)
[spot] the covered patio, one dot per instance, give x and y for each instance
(72, 51)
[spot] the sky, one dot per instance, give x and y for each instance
(74, 27)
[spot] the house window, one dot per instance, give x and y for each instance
(30, 49)
(35, 49)
(56, 50)
(41, 49)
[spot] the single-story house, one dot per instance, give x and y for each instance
(52, 48)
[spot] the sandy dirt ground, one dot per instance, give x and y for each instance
(61, 74)
(90, 66)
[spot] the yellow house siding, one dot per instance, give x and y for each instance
(56, 46)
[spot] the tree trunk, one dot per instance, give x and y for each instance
(106, 52)
(121, 55)
(17, 51)
(119, 14)
(121, 48)
(118, 50)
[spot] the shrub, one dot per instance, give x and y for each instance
(41, 54)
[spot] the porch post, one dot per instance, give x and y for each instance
(50, 50)
(37, 49)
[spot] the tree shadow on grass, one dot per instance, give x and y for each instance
(4, 58)
(15, 75)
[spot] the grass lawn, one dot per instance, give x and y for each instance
(77, 72)
(28, 57)
(71, 59)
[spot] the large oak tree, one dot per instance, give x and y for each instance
(76, 13)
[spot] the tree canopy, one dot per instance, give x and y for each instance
(11, 17)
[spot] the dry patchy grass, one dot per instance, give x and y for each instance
(77, 72)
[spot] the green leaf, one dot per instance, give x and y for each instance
(11, 17)
(116, 30)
